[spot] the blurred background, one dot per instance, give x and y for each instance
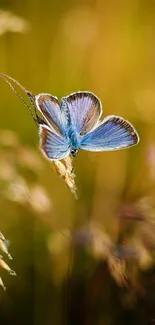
(89, 261)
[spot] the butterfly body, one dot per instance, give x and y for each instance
(74, 140)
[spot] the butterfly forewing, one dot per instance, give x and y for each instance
(83, 110)
(112, 134)
(53, 145)
(49, 107)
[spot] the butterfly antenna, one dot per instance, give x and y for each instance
(30, 95)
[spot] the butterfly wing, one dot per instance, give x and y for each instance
(48, 106)
(112, 134)
(53, 145)
(83, 110)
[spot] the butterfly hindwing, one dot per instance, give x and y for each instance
(112, 134)
(83, 110)
(53, 145)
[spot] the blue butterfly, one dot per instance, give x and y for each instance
(75, 124)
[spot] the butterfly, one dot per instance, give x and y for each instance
(74, 123)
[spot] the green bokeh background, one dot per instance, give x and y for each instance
(106, 47)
